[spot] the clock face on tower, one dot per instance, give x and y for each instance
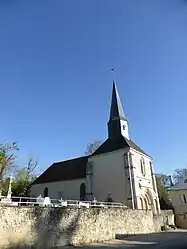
(124, 129)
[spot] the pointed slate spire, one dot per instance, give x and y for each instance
(116, 110)
(117, 124)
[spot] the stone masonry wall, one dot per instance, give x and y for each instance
(52, 227)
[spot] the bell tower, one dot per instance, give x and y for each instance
(117, 124)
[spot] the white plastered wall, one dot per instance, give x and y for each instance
(67, 189)
(109, 177)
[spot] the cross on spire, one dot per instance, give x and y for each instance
(113, 73)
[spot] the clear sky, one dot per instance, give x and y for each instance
(55, 61)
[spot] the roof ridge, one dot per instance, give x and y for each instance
(135, 146)
(72, 159)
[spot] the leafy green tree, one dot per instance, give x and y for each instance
(21, 183)
(5, 185)
(165, 202)
(23, 179)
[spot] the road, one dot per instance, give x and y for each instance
(176, 239)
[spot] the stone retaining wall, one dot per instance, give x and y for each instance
(52, 227)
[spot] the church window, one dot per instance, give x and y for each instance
(142, 165)
(151, 167)
(126, 164)
(141, 203)
(181, 198)
(184, 198)
(83, 192)
(46, 192)
(146, 203)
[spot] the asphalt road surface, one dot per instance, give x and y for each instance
(176, 239)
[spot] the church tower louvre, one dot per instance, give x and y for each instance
(117, 124)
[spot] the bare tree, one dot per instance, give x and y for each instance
(7, 158)
(92, 147)
(31, 166)
(179, 174)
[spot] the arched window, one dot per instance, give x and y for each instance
(184, 198)
(82, 192)
(141, 203)
(126, 164)
(181, 198)
(142, 165)
(146, 203)
(46, 192)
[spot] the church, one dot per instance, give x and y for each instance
(119, 169)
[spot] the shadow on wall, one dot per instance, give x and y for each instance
(47, 229)
(55, 234)
(157, 240)
(44, 228)
(141, 241)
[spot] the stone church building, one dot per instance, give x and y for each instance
(118, 169)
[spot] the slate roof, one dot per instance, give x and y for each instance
(76, 168)
(181, 185)
(115, 144)
(116, 109)
(65, 170)
(133, 145)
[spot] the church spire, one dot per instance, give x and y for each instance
(116, 110)
(118, 124)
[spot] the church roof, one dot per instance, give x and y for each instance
(116, 110)
(65, 170)
(118, 143)
(76, 168)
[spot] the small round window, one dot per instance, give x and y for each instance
(185, 181)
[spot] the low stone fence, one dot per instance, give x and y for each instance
(54, 227)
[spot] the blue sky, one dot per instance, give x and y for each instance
(55, 58)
